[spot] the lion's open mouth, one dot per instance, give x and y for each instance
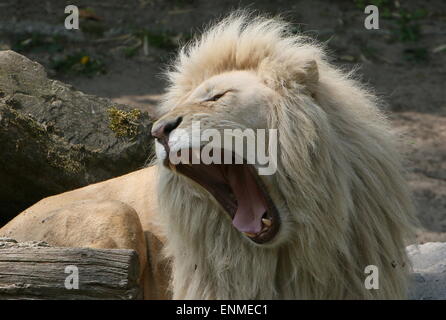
(242, 194)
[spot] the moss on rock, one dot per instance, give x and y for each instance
(124, 123)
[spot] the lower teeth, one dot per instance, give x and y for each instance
(249, 234)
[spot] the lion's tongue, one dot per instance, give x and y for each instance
(251, 205)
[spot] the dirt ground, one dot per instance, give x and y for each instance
(128, 43)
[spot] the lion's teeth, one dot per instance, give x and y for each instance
(249, 234)
(267, 222)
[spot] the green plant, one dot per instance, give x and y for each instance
(78, 63)
(131, 51)
(409, 28)
(369, 52)
(36, 42)
(416, 55)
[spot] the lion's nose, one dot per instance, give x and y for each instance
(163, 128)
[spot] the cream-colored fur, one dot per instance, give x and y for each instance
(119, 213)
(339, 189)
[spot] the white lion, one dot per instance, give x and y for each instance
(337, 203)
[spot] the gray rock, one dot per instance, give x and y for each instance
(54, 138)
(429, 271)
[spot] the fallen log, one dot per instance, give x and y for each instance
(34, 270)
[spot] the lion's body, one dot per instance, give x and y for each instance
(118, 213)
(338, 186)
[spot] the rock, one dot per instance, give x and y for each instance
(429, 267)
(54, 138)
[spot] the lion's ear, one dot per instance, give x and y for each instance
(308, 75)
(304, 74)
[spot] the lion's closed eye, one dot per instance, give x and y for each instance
(217, 96)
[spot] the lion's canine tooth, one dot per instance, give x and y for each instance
(267, 222)
(249, 234)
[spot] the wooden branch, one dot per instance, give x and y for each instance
(34, 270)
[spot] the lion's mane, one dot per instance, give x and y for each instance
(346, 203)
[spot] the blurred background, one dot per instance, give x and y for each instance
(122, 47)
